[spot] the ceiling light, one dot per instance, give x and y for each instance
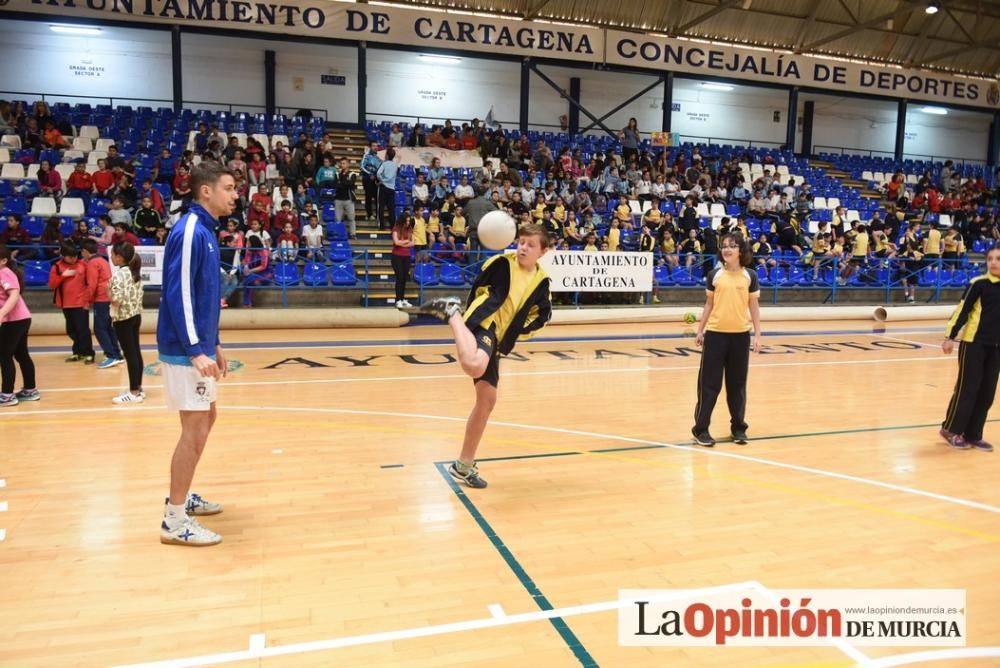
(75, 30)
(933, 7)
(439, 59)
(715, 86)
(937, 111)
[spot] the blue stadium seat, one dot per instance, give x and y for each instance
(286, 273)
(340, 251)
(315, 275)
(336, 231)
(424, 273)
(451, 274)
(36, 273)
(343, 274)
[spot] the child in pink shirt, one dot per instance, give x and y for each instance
(15, 321)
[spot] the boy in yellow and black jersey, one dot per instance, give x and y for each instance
(509, 302)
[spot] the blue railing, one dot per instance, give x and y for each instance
(777, 275)
(781, 273)
(444, 268)
(337, 270)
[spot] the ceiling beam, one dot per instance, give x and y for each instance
(841, 22)
(721, 7)
(534, 11)
(947, 10)
(804, 30)
(848, 31)
(959, 51)
(854, 19)
(919, 44)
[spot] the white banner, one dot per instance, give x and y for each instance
(493, 35)
(421, 157)
(391, 25)
(152, 264)
(582, 271)
(681, 55)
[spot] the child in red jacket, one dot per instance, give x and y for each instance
(68, 278)
(98, 279)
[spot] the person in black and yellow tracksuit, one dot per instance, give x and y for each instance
(976, 321)
(731, 308)
(509, 302)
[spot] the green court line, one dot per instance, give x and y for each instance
(568, 453)
(560, 625)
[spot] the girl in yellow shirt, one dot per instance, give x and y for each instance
(731, 313)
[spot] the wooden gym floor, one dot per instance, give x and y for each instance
(345, 544)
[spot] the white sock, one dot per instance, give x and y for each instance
(174, 515)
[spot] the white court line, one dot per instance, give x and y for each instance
(859, 657)
(496, 610)
(445, 341)
(506, 374)
(60, 411)
(627, 439)
(936, 655)
(3, 506)
(614, 437)
(3, 535)
(258, 641)
(425, 631)
(916, 343)
(3, 483)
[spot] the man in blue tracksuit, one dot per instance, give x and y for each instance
(187, 339)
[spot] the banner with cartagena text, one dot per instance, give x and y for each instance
(601, 271)
(337, 20)
(448, 29)
(792, 617)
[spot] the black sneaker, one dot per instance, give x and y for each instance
(441, 307)
(29, 395)
(703, 438)
(740, 437)
(470, 477)
(89, 359)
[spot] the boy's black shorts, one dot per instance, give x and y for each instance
(486, 339)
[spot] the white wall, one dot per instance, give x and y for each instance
(728, 117)
(231, 71)
(121, 63)
(402, 83)
(851, 123)
(600, 92)
(303, 65)
(960, 134)
(223, 70)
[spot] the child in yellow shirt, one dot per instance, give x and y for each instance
(559, 213)
(458, 225)
(614, 236)
(419, 232)
(623, 214)
(434, 223)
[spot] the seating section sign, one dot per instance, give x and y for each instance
(152, 264)
(582, 271)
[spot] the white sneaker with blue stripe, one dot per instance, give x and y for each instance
(196, 505)
(188, 532)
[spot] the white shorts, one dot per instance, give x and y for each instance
(186, 389)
